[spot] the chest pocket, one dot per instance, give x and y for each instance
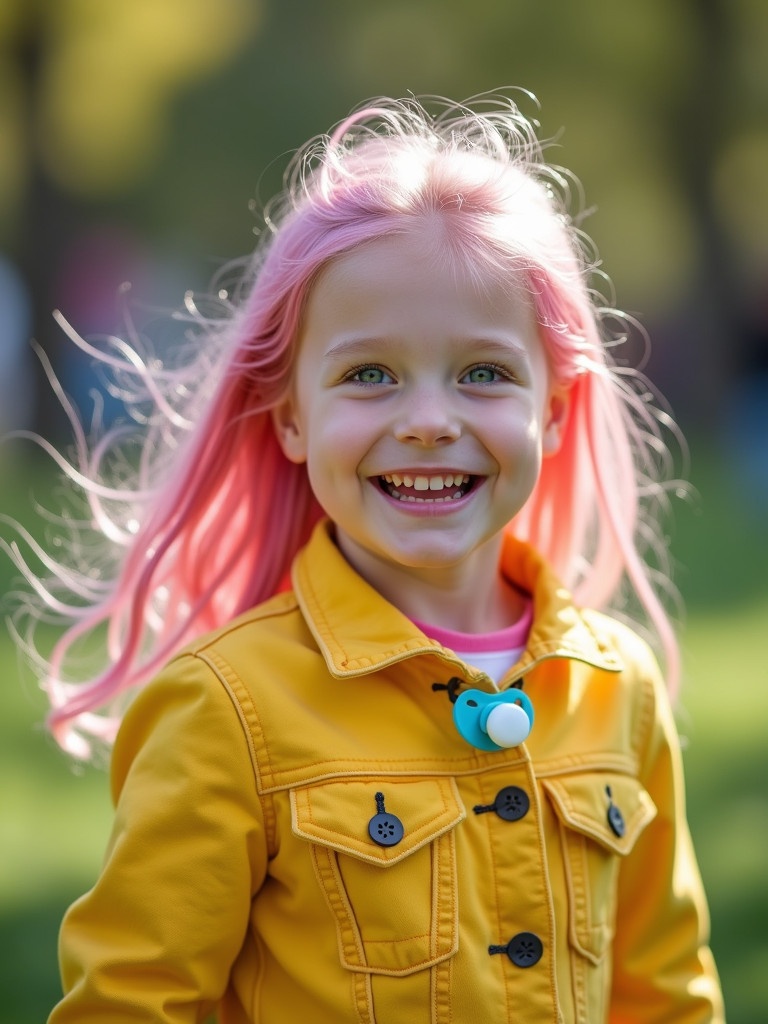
(601, 816)
(394, 906)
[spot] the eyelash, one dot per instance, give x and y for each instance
(501, 371)
(355, 370)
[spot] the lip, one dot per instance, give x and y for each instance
(424, 471)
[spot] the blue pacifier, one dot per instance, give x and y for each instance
(493, 721)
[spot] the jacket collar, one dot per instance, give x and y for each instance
(358, 631)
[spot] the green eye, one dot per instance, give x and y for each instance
(481, 375)
(371, 375)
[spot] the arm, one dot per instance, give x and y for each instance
(663, 968)
(156, 937)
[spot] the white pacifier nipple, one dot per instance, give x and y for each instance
(507, 725)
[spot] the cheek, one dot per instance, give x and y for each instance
(336, 444)
(514, 431)
(345, 429)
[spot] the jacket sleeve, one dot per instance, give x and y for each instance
(156, 937)
(663, 969)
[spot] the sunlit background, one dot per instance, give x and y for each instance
(134, 135)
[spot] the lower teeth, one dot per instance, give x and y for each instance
(410, 497)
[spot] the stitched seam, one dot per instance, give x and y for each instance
(625, 764)
(440, 992)
(639, 817)
(319, 624)
(350, 942)
(298, 776)
(239, 695)
(448, 915)
(324, 836)
(225, 671)
(363, 997)
(645, 720)
(579, 974)
(393, 768)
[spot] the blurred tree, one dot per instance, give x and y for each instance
(90, 84)
(87, 88)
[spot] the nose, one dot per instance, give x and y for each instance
(427, 418)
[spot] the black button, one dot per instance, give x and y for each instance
(511, 803)
(525, 949)
(385, 829)
(616, 821)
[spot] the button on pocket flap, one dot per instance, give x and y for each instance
(402, 814)
(610, 809)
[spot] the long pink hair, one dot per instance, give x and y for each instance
(200, 514)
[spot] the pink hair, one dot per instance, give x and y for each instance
(215, 513)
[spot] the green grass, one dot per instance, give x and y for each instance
(53, 827)
(724, 724)
(54, 822)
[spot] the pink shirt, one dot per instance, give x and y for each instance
(493, 653)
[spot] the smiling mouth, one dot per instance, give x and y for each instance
(430, 488)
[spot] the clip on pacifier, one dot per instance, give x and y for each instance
(493, 721)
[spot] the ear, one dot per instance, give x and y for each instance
(289, 430)
(555, 418)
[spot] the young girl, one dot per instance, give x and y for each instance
(389, 768)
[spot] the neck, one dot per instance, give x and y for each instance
(497, 607)
(469, 597)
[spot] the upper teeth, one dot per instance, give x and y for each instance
(427, 483)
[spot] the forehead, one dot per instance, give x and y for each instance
(425, 260)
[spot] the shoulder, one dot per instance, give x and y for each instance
(266, 634)
(262, 654)
(636, 653)
(245, 644)
(280, 611)
(200, 692)
(653, 713)
(262, 647)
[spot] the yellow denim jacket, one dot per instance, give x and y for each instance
(551, 882)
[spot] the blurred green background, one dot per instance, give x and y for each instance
(133, 136)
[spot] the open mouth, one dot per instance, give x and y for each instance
(432, 488)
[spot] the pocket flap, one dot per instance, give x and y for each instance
(337, 814)
(588, 803)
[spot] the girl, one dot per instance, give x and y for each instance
(398, 772)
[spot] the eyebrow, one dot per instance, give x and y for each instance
(349, 346)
